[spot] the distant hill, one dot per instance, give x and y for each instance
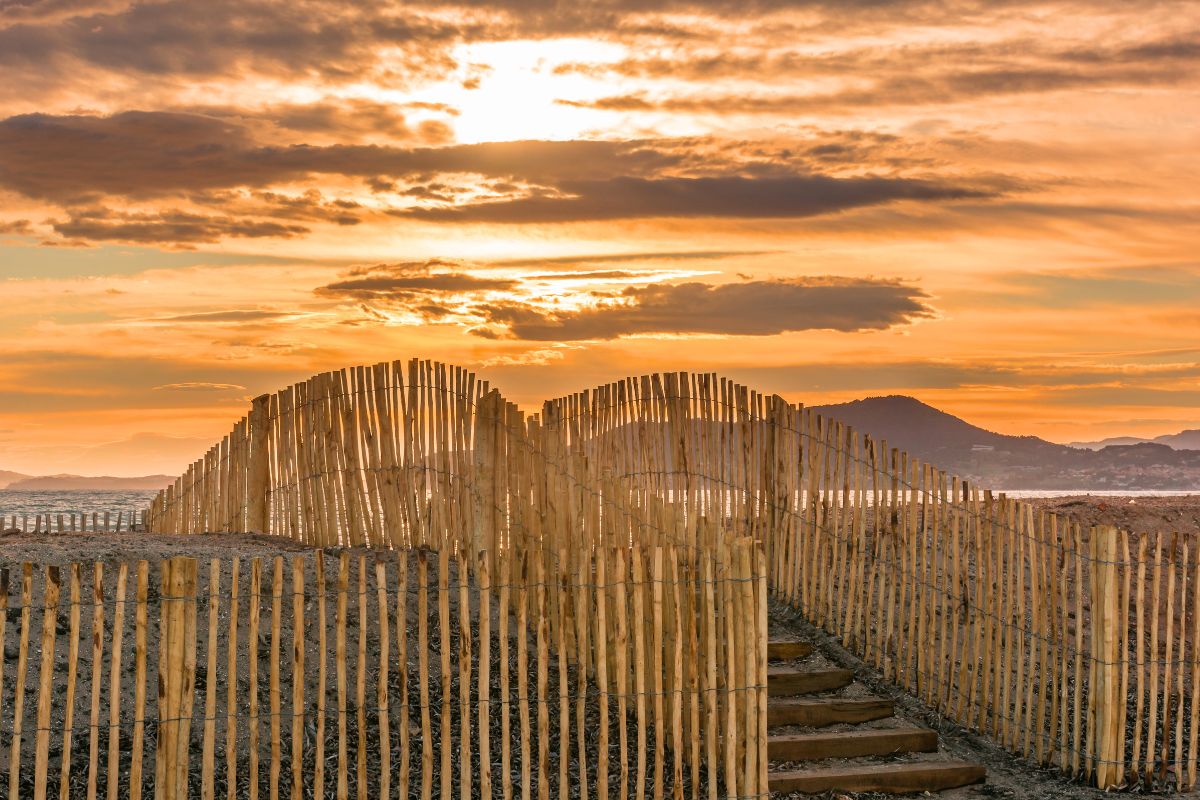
(1017, 462)
(84, 483)
(1184, 440)
(930, 433)
(7, 477)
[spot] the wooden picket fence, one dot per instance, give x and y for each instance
(1077, 648)
(75, 522)
(628, 672)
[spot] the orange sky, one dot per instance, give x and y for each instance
(991, 207)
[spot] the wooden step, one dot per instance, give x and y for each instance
(920, 776)
(818, 711)
(787, 651)
(786, 681)
(851, 744)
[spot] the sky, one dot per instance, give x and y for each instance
(994, 207)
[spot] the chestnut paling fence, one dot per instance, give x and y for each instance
(627, 672)
(74, 522)
(1071, 647)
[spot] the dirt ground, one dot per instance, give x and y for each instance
(1179, 514)
(444, 697)
(114, 548)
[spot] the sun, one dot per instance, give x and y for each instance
(507, 91)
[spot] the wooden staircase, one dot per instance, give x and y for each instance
(880, 757)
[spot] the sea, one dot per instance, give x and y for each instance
(54, 501)
(79, 501)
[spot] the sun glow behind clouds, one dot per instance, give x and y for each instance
(505, 91)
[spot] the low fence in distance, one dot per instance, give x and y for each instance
(628, 672)
(108, 522)
(1077, 648)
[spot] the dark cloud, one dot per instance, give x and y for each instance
(21, 227)
(900, 90)
(904, 75)
(700, 62)
(308, 205)
(136, 154)
(320, 38)
(143, 154)
(730, 196)
(168, 227)
(332, 41)
(334, 119)
(410, 280)
(754, 308)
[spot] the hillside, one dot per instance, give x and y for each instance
(7, 477)
(1016, 462)
(85, 483)
(911, 425)
(1184, 440)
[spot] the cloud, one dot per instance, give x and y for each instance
(336, 120)
(199, 386)
(219, 164)
(310, 204)
(153, 154)
(908, 74)
(532, 358)
(590, 260)
(752, 308)
(245, 315)
(168, 227)
(900, 90)
(407, 280)
(334, 40)
(21, 227)
(726, 196)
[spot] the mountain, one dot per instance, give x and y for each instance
(1184, 440)
(1017, 462)
(81, 482)
(918, 428)
(7, 477)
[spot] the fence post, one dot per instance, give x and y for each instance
(176, 679)
(258, 468)
(486, 444)
(776, 476)
(1106, 651)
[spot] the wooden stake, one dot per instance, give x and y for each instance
(51, 593)
(114, 695)
(64, 780)
(299, 676)
(232, 698)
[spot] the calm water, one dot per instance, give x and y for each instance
(93, 502)
(53, 501)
